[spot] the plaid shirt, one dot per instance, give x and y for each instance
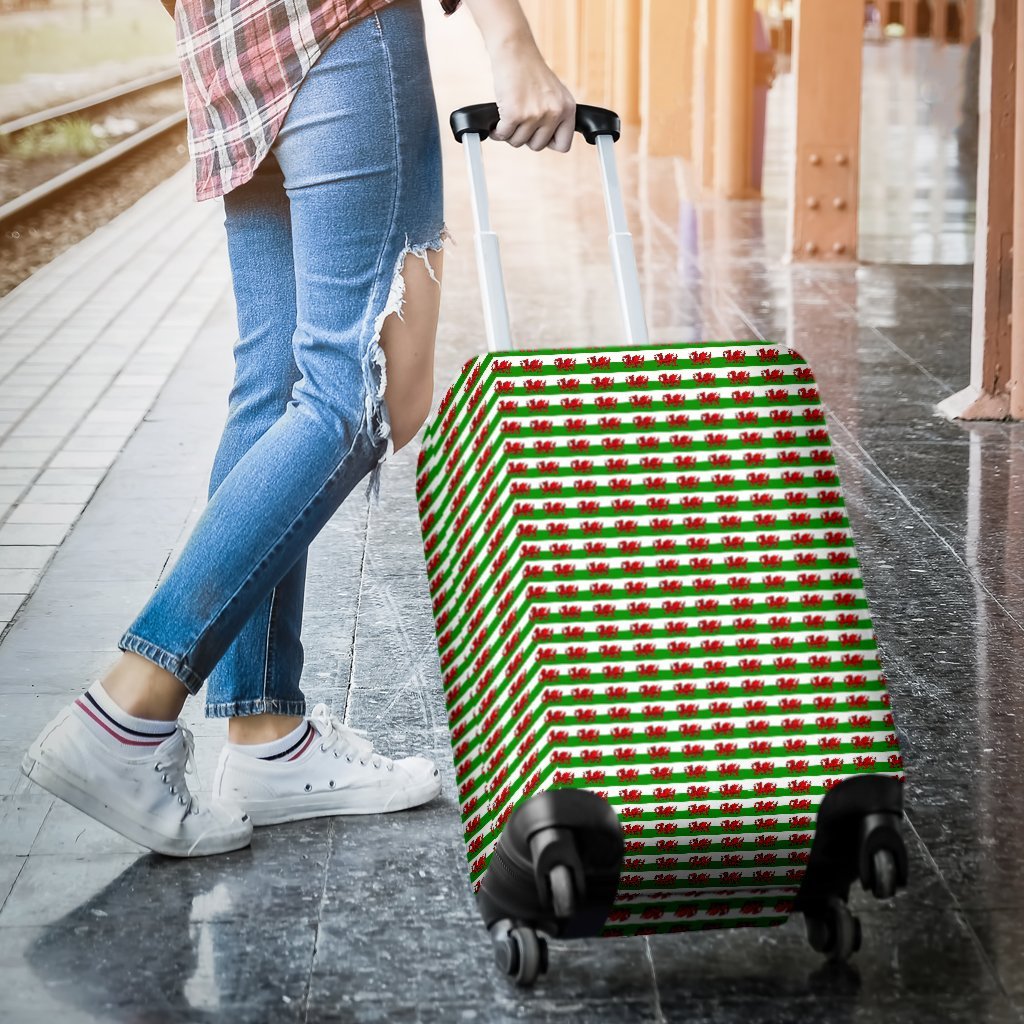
(242, 61)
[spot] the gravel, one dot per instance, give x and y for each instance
(79, 210)
(19, 173)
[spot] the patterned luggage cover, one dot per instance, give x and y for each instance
(644, 584)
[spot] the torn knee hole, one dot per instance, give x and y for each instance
(377, 415)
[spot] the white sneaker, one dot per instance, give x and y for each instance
(144, 798)
(336, 771)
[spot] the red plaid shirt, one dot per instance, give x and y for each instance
(242, 61)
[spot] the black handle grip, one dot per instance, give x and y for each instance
(482, 119)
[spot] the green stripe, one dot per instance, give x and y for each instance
(719, 589)
(868, 666)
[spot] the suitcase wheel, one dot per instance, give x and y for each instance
(884, 874)
(563, 891)
(882, 861)
(521, 954)
(833, 930)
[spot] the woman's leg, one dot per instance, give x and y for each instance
(261, 669)
(264, 663)
(361, 158)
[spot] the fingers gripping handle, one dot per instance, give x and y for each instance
(601, 128)
(481, 119)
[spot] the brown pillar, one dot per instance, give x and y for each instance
(539, 16)
(992, 340)
(734, 98)
(571, 43)
(969, 21)
(594, 58)
(703, 123)
(608, 56)
(827, 71)
(940, 20)
(1017, 306)
(665, 85)
(626, 33)
(558, 35)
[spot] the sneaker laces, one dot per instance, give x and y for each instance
(354, 743)
(175, 763)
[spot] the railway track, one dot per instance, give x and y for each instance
(41, 194)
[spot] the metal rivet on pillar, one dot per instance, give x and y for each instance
(839, 203)
(812, 203)
(839, 248)
(827, 78)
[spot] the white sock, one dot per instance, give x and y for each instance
(287, 748)
(112, 724)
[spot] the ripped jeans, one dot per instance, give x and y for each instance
(317, 240)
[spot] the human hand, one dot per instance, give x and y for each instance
(536, 108)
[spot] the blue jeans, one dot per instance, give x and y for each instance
(316, 239)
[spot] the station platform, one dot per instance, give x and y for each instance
(115, 365)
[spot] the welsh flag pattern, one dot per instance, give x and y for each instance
(644, 584)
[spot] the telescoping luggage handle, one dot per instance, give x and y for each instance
(599, 127)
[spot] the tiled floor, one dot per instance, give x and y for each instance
(85, 347)
(372, 920)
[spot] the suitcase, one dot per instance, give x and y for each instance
(667, 711)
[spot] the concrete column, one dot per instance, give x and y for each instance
(996, 347)
(734, 98)
(626, 34)
(827, 51)
(665, 76)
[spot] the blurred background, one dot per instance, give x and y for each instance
(57, 50)
(78, 77)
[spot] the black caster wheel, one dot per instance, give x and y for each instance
(506, 956)
(532, 956)
(563, 892)
(883, 874)
(521, 955)
(834, 931)
(882, 859)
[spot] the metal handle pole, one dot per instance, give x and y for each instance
(488, 252)
(620, 245)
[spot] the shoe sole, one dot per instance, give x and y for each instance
(298, 808)
(66, 790)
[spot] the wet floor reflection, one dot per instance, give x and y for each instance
(164, 940)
